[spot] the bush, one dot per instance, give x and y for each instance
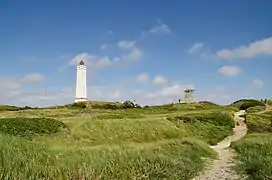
(9, 108)
(128, 104)
(259, 123)
(81, 105)
(244, 104)
(218, 118)
(208, 103)
(29, 127)
(255, 109)
(106, 106)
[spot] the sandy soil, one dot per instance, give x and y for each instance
(221, 168)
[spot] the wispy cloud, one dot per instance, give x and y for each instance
(160, 81)
(230, 70)
(160, 28)
(130, 45)
(258, 83)
(126, 44)
(142, 77)
(103, 47)
(257, 48)
(32, 78)
(195, 48)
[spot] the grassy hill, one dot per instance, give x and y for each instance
(105, 141)
(244, 104)
(254, 151)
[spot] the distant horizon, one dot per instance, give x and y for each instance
(90, 101)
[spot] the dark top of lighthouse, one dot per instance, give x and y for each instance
(81, 63)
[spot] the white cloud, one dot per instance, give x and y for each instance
(32, 78)
(143, 77)
(160, 28)
(93, 62)
(103, 47)
(126, 44)
(195, 48)
(257, 48)
(116, 60)
(160, 81)
(230, 70)
(135, 54)
(257, 83)
(82, 57)
(103, 63)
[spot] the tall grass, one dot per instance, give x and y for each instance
(159, 142)
(173, 160)
(255, 150)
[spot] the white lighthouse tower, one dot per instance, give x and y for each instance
(81, 83)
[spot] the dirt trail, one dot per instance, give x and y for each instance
(222, 167)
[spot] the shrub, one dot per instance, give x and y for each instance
(208, 103)
(128, 104)
(29, 127)
(255, 109)
(218, 118)
(244, 104)
(25, 108)
(9, 108)
(106, 106)
(79, 105)
(259, 122)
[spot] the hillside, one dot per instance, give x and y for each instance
(105, 141)
(254, 151)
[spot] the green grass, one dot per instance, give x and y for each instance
(269, 102)
(29, 127)
(172, 160)
(255, 109)
(157, 142)
(244, 104)
(254, 155)
(255, 150)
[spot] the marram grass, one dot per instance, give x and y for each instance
(20, 159)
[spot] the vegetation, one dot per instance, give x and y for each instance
(244, 104)
(106, 141)
(8, 108)
(255, 109)
(29, 127)
(79, 105)
(171, 160)
(254, 151)
(269, 102)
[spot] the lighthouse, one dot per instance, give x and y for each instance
(81, 83)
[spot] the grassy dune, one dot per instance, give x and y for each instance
(255, 150)
(156, 142)
(173, 160)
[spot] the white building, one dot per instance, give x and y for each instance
(81, 83)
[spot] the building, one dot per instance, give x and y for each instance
(81, 83)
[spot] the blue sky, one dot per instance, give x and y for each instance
(148, 51)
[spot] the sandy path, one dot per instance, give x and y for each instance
(222, 167)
